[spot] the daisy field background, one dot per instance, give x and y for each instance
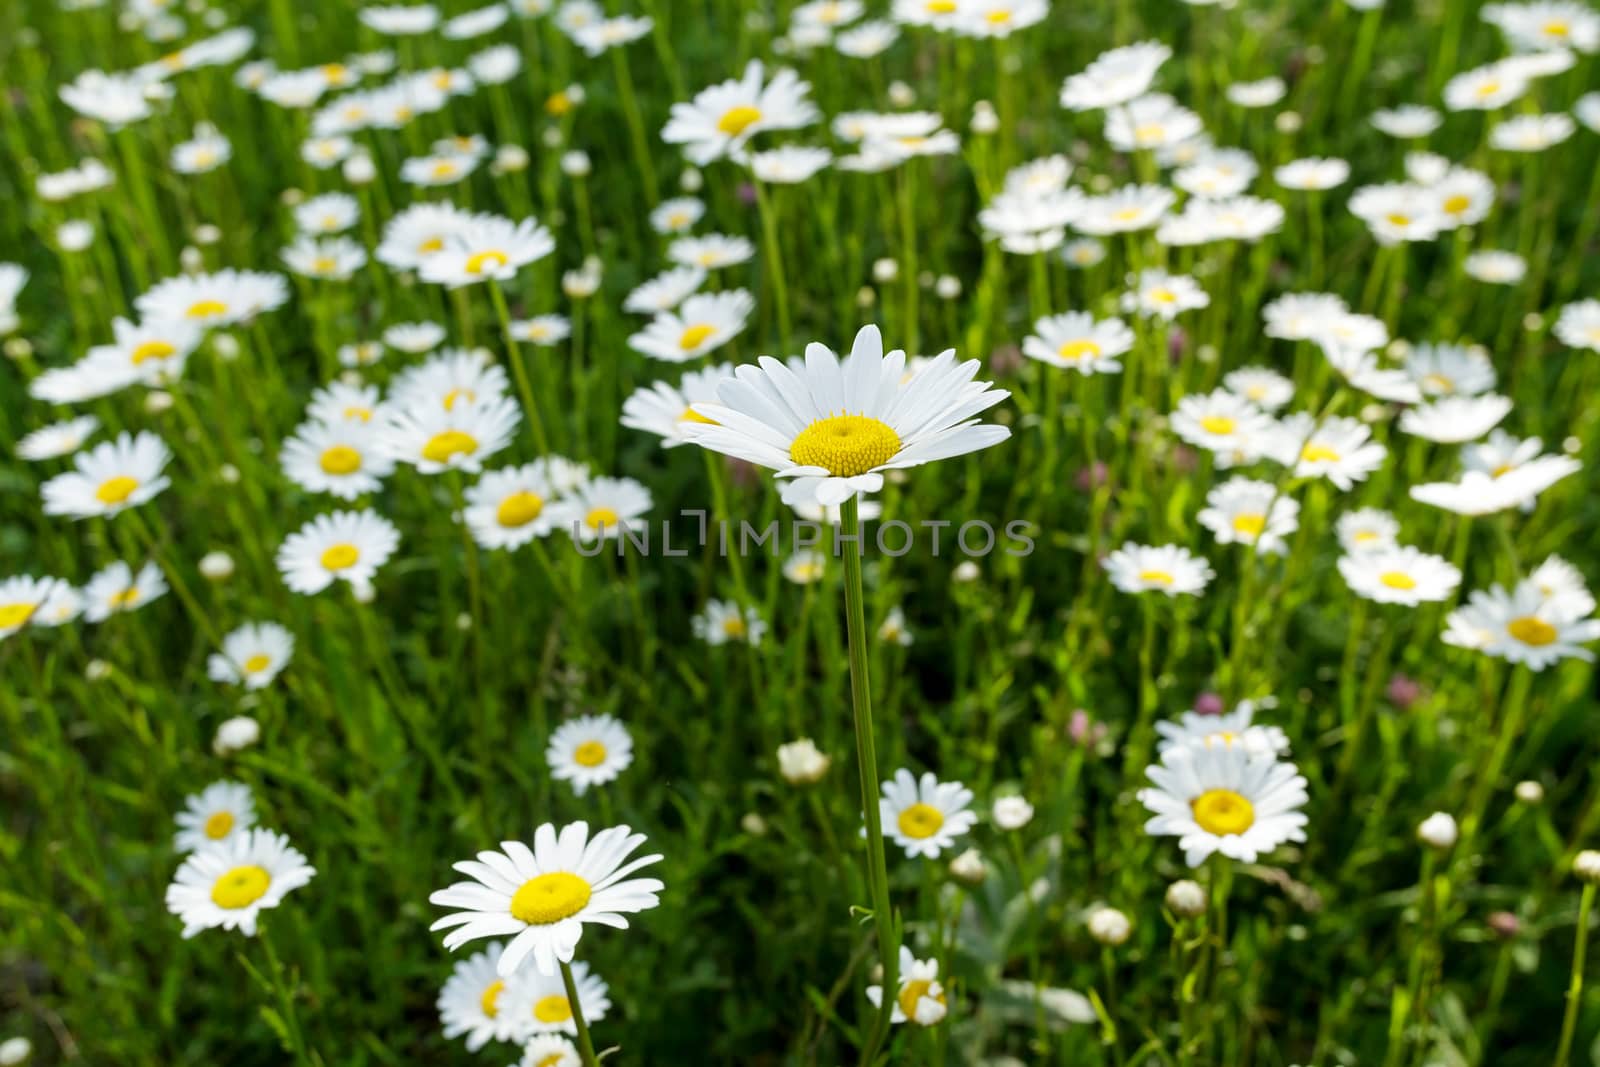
(342, 728)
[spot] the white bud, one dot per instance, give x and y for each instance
(968, 867)
(511, 159)
(359, 169)
(229, 474)
(948, 287)
(552, 137)
(235, 735)
(464, 619)
(226, 346)
(216, 566)
(15, 1050)
(1586, 866)
(97, 670)
(1109, 926)
(984, 119)
(576, 164)
(690, 181)
(753, 824)
(1186, 899)
(966, 571)
(1012, 813)
(157, 401)
(1530, 792)
(1437, 831)
(191, 259)
(802, 762)
(900, 94)
(207, 234)
(1287, 121)
(885, 271)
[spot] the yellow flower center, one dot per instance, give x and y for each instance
(1221, 425)
(1156, 578)
(1365, 537)
(1225, 738)
(1249, 523)
(912, 992)
(430, 246)
(338, 557)
(218, 825)
(1488, 88)
(1163, 295)
(694, 336)
(999, 16)
(257, 663)
(126, 598)
(340, 459)
(1149, 133)
(334, 72)
(115, 490)
(476, 262)
(921, 820)
(940, 7)
(552, 1060)
(549, 898)
(1319, 453)
(14, 615)
(734, 626)
(442, 446)
(845, 445)
(1397, 218)
(1455, 205)
(240, 887)
(152, 350)
(691, 415)
(206, 309)
(1223, 812)
(677, 220)
(558, 103)
(589, 754)
(444, 169)
(490, 1001)
(1397, 580)
(1531, 630)
(1073, 351)
(736, 120)
(324, 265)
(519, 509)
(1439, 383)
(552, 1009)
(1557, 28)
(1504, 468)
(602, 516)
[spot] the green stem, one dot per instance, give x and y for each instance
(518, 369)
(585, 1045)
(1580, 948)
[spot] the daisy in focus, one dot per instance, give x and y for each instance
(589, 750)
(345, 546)
(229, 883)
(1224, 799)
(109, 478)
(923, 815)
(921, 998)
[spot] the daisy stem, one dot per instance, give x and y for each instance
(585, 1045)
(780, 288)
(288, 1020)
(630, 111)
(1406, 1005)
(867, 766)
(1580, 946)
(908, 269)
(519, 370)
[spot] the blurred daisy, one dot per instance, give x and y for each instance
(229, 883)
(710, 251)
(205, 152)
(676, 215)
(509, 507)
(1367, 530)
(488, 248)
(435, 438)
(360, 354)
(57, 439)
(449, 378)
(430, 172)
(541, 330)
(1312, 174)
(343, 545)
(589, 750)
(1399, 575)
(1114, 77)
(1532, 133)
(1454, 419)
(1521, 627)
(1222, 422)
(1496, 268)
(789, 164)
(921, 998)
(1223, 798)
(1169, 569)
(1337, 448)
(925, 816)
(1157, 294)
(545, 895)
(414, 338)
(416, 234)
(1480, 492)
(219, 812)
(222, 299)
(109, 478)
(338, 457)
(664, 410)
(599, 509)
(1263, 93)
(1245, 511)
(1152, 121)
(1077, 341)
(723, 622)
(721, 119)
(893, 630)
(115, 589)
(1562, 587)
(550, 1050)
(1083, 253)
(704, 322)
(1483, 89)
(342, 402)
(831, 427)
(538, 1002)
(805, 567)
(473, 1002)
(665, 291)
(1262, 386)
(252, 655)
(20, 600)
(327, 214)
(1230, 729)
(1133, 207)
(1450, 370)
(1545, 24)
(1579, 325)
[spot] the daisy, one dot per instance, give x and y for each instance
(488, 248)
(431, 172)
(251, 655)
(1263, 93)
(109, 478)
(589, 750)
(398, 20)
(921, 998)
(229, 883)
(1244, 511)
(360, 354)
(57, 439)
(1545, 24)
(1532, 133)
(711, 251)
(1521, 627)
(154, 352)
(1497, 268)
(538, 1002)
(1222, 422)
(676, 215)
(1399, 575)
(1302, 316)
(1484, 88)
(788, 165)
(868, 39)
(1312, 174)
(205, 152)
(1367, 530)
(721, 119)
(925, 816)
(1450, 370)
(1484, 493)
(1230, 729)
(1083, 253)
(220, 812)
(550, 1050)
(1133, 207)
(1223, 798)
(804, 568)
(601, 508)
(339, 457)
(347, 545)
(475, 23)
(545, 895)
(434, 438)
(545, 331)
(222, 299)
(412, 236)
(893, 629)
(1115, 77)
(1562, 587)
(451, 377)
(1262, 386)
(1337, 448)
(115, 589)
(1578, 325)
(330, 259)
(509, 507)
(1169, 569)
(664, 410)
(831, 427)
(1161, 295)
(474, 1003)
(342, 402)
(665, 291)
(1454, 419)
(1397, 213)
(21, 599)
(1077, 341)
(414, 338)
(999, 18)
(723, 622)
(1152, 121)
(1463, 197)
(704, 322)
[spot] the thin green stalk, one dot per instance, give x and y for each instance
(1580, 948)
(585, 1045)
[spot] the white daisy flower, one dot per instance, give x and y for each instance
(115, 589)
(1157, 294)
(1497, 268)
(1562, 587)
(340, 457)
(1485, 88)
(789, 164)
(343, 402)
(1454, 419)
(1337, 448)
(1077, 341)
(109, 478)
(599, 509)
(475, 23)
(62, 606)
(1230, 729)
(1114, 77)
(1399, 575)
(416, 234)
(545, 895)
(1521, 627)
(921, 998)
(1169, 569)
(1124, 210)
(1261, 386)
(1302, 316)
(229, 883)
(205, 152)
(723, 622)
(704, 322)
(550, 1050)
(225, 298)
(665, 291)
(711, 251)
(1222, 798)
(1312, 174)
(1545, 24)
(545, 331)
(487, 248)
(923, 815)
(538, 1002)
(1532, 133)
(327, 214)
(57, 439)
(1245, 511)
(1462, 197)
(252, 655)
(721, 119)
(434, 438)
(1367, 530)
(1222, 422)
(1450, 370)
(154, 352)
(509, 507)
(1263, 93)
(803, 568)
(1152, 121)
(450, 377)
(831, 428)
(1578, 325)
(21, 599)
(1486, 492)
(474, 1002)
(220, 812)
(347, 545)
(677, 215)
(893, 629)
(664, 409)
(589, 750)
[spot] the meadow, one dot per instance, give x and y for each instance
(926, 532)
